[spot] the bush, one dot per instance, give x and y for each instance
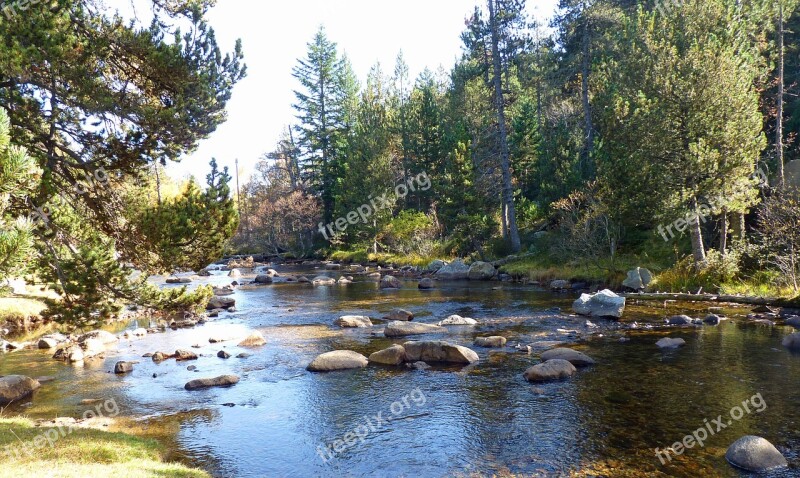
(685, 276)
(409, 232)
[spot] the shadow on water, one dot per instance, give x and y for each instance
(444, 421)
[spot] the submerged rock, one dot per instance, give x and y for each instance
(494, 341)
(394, 355)
(602, 304)
(574, 357)
(712, 319)
(439, 351)
(555, 369)
(221, 381)
(16, 387)
(755, 454)
(353, 321)
(458, 320)
(560, 284)
(337, 360)
(401, 329)
(670, 343)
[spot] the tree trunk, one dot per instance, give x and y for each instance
(587, 107)
(723, 233)
(779, 123)
(505, 161)
(698, 250)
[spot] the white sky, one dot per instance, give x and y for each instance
(274, 35)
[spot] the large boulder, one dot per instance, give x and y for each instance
(390, 282)
(458, 320)
(101, 335)
(221, 381)
(574, 357)
(494, 341)
(123, 367)
(217, 302)
(337, 360)
(92, 348)
(402, 329)
(602, 304)
(353, 321)
(435, 265)
(439, 351)
(181, 355)
(263, 279)
(679, 320)
(481, 271)
(394, 355)
(426, 284)
(69, 353)
(399, 314)
(48, 342)
(255, 339)
(323, 280)
(555, 369)
(16, 387)
(638, 279)
(755, 454)
(456, 270)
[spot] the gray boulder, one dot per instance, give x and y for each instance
(123, 367)
(679, 320)
(426, 284)
(353, 321)
(792, 342)
(574, 357)
(337, 360)
(323, 280)
(560, 284)
(402, 329)
(101, 335)
(712, 319)
(235, 273)
(394, 355)
(456, 270)
(458, 320)
(390, 282)
(602, 304)
(638, 279)
(217, 302)
(755, 454)
(263, 279)
(399, 314)
(16, 387)
(555, 369)
(481, 271)
(494, 341)
(670, 343)
(221, 381)
(92, 348)
(435, 265)
(439, 351)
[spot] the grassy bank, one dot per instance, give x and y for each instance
(362, 257)
(83, 453)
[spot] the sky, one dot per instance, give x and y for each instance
(275, 34)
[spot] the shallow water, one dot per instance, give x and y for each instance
(444, 421)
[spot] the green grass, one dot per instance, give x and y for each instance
(362, 257)
(16, 308)
(83, 453)
(545, 268)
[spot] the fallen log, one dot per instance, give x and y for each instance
(734, 299)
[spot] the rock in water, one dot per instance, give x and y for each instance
(401, 329)
(574, 357)
(100, 335)
(394, 355)
(263, 279)
(456, 270)
(602, 304)
(123, 367)
(435, 265)
(458, 320)
(792, 342)
(181, 355)
(223, 354)
(481, 271)
(555, 369)
(353, 321)
(390, 282)
(439, 351)
(679, 320)
(754, 454)
(217, 302)
(253, 340)
(323, 280)
(337, 360)
(16, 387)
(221, 381)
(426, 284)
(670, 343)
(399, 314)
(494, 341)
(560, 284)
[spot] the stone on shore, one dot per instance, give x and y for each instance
(455, 270)
(481, 271)
(16, 387)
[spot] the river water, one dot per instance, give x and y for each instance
(479, 420)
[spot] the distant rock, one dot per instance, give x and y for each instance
(374, 276)
(555, 369)
(455, 270)
(337, 360)
(323, 280)
(755, 454)
(670, 343)
(679, 320)
(458, 320)
(399, 314)
(426, 284)
(47, 343)
(494, 341)
(792, 342)
(638, 279)
(602, 304)
(574, 357)
(402, 329)
(390, 282)
(255, 339)
(101, 335)
(394, 355)
(481, 271)
(16, 387)
(344, 280)
(235, 273)
(439, 351)
(712, 319)
(223, 354)
(220, 303)
(353, 321)
(263, 279)
(793, 322)
(123, 367)
(560, 284)
(181, 355)
(221, 381)
(435, 265)
(763, 309)
(333, 267)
